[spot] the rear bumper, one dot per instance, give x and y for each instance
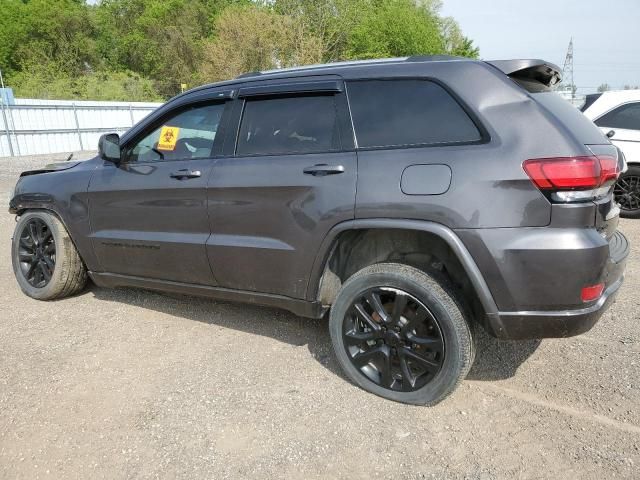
(536, 277)
(567, 323)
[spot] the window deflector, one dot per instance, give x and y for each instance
(322, 86)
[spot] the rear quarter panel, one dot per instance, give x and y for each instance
(489, 188)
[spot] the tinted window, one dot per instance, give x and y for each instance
(407, 112)
(625, 116)
(184, 136)
(303, 124)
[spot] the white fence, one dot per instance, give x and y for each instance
(31, 127)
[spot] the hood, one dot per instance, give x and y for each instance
(52, 167)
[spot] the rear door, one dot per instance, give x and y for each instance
(148, 214)
(289, 176)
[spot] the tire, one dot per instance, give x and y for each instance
(627, 192)
(444, 322)
(57, 258)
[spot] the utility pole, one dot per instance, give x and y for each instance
(4, 116)
(567, 70)
(13, 124)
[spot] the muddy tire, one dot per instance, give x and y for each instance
(45, 260)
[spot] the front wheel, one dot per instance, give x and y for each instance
(45, 260)
(627, 192)
(399, 333)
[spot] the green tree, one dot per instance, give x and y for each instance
(330, 20)
(47, 82)
(254, 37)
(395, 28)
(342, 23)
(160, 39)
(603, 88)
(12, 34)
(60, 31)
(35, 32)
(455, 43)
(143, 49)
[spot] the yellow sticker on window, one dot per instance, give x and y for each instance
(168, 138)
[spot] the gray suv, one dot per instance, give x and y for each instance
(411, 198)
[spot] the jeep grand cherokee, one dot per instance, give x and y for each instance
(412, 198)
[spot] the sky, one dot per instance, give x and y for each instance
(606, 35)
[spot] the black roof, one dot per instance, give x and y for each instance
(544, 72)
(329, 68)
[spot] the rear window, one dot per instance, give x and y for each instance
(584, 129)
(390, 113)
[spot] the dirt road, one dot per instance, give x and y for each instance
(133, 384)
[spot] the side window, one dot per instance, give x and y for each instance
(282, 125)
(185, 136)
(625, 116)
(407, 112)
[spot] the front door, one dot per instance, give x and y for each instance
(148, 214)
(290, 179)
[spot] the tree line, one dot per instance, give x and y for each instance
(146, 50)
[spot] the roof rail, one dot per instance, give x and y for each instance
(302, 68)
(249, 74)
(324, 65)
(433, 58)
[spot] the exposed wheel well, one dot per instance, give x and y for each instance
(354, 250)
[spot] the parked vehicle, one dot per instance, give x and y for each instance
(413, 198)
(617, 113)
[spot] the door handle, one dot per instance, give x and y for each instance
(322, 169)
(186, 173)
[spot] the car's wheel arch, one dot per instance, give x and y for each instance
(47, 208)
(69, 274)
(323, 283)
(26, 207)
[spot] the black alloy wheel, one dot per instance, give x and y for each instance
(627, 193)
(393, 339)
(37, 253)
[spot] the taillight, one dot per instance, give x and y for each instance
(610, 169)
(564, 173)
(573, 178)
(592, 292)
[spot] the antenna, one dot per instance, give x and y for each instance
(567, 70)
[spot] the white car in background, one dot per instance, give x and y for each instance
(618, 116)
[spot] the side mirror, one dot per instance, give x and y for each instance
(611, 133)
(109, 147)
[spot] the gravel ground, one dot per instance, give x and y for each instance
(134, 384)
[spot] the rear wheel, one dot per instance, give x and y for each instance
(45, 261)
(627, 192)
(399, 333)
